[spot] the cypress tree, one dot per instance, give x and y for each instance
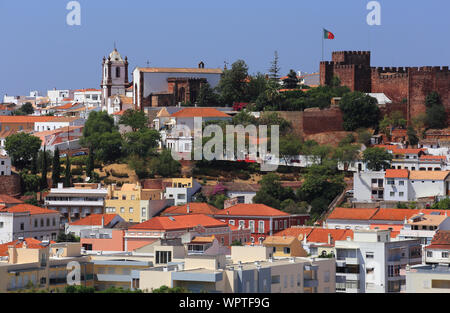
(90, 164)
(68, 174)
(44, 184)
(56, 169)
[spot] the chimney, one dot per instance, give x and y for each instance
(188, 210)
(103, 221)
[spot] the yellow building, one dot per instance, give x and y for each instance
(130, 201)
(285, 246)
(40, 266)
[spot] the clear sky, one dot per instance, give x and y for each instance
(39, 51)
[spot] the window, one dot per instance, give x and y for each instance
(261, 226)
(401, 182)
(124, 197)
(48, 222)
(133, 197)
(251, 224)
(327, 276)
(1, 224)
(42, 222)
(275, 279)
(117, 71)
(144, 212)
(122, 210)
(241, 224)
(445, 254)
(35, 223)
(231, 222)
(54, 222)
(163, 257)
(285, 224)
(22, 226)
(369, 255)
(392, 194)
(390, 182)
(401, 193)
(286, 250)
(429, 254)
(241, 199)
(131, 210)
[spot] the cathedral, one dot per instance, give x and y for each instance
(114, 77)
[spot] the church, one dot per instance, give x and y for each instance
(152, 86)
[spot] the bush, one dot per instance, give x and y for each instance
(79, 160)
(77, 171)
(119, 175)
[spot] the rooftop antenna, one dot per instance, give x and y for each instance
(114, 45)
(148, 63)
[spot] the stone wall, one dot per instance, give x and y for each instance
(10, 185)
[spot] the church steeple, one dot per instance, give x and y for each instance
(115, 75)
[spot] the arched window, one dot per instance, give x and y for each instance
(117, 71)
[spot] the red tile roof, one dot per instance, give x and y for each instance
(28, 208)
(95, 220)
(352, 214)
(178, 222)
(319, 235)
(6, 199)
(295, 232)
(433, 157)
(407, 151)
(31, 244)
(26, 119)
(199, 112)
(194, 208)
(441, 240)
(243, 209)
(394, 214)
(392, 173)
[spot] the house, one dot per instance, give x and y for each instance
(400, 185)
(76, 202)
(93, 221)
(130, 201)
(63, 138)
(424, 226)
(58, 122)
(191, 208)
(25, 220)
(438, 251)
(43, 265)
(169, 227)
(242, 192)
(348, 218)
(118, 103)
(91, 96)
(181, 190)
(261, 219)
(8, 201)
(372, 263)
(250, 269)
(285, 246)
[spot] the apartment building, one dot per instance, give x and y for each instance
(261, 219)
(372, 263)
(400, 185)
(130, 201)
(43, 265)
(28, 221)
(251, 269)
(181, 190)
(76, 202)
(434, 275)
(93, 221)
(424, 226)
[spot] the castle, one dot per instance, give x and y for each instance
(407, 87)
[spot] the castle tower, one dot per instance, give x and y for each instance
(114, 76)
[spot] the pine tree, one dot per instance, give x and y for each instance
(44, 184)
(68, 174)
(90, 164)
(275, 68)
(56, 168)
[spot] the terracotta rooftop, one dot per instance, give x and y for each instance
(433, 157)
(315, 234)
(95, 220)
(279, 240)
(31, 244)
(167, 223)
(428, 175)
(441, 240)
(243, 209)
(392, 173)
(199, 112)
(394, 214)
(208, 239)
(194, 208)
(6, 199)
(28, 208)
(352, 214)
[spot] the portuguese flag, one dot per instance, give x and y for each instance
(327, 34)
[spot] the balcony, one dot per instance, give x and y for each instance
(351, 261)
(310, 283)
(80, 203)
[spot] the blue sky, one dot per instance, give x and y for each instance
(40, 51)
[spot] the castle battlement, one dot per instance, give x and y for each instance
(351, 53)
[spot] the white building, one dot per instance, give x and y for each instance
(92, 222)
(90, 97)
(181, 194)
(5, 165)
(24, 220)
(77, 202)
(57, 122)
(371, 263)
(56, 96)
(424, 226)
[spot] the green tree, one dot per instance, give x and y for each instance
(44, 183)
(359, 110)
(271, 192)
(377, 159)
(27, 108)
(165, 165)
(412, 136)
(444, 204)
(290, 146)
(436, 117)
(274, 70)
(207, 96)
(23, 149)
(165, 289)
(135, 119)
(291, 82)
(56, 168)
(233, 83)
(257, 86)
(109, 148)
(142, 142)
(90, 164)
(68, 173)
